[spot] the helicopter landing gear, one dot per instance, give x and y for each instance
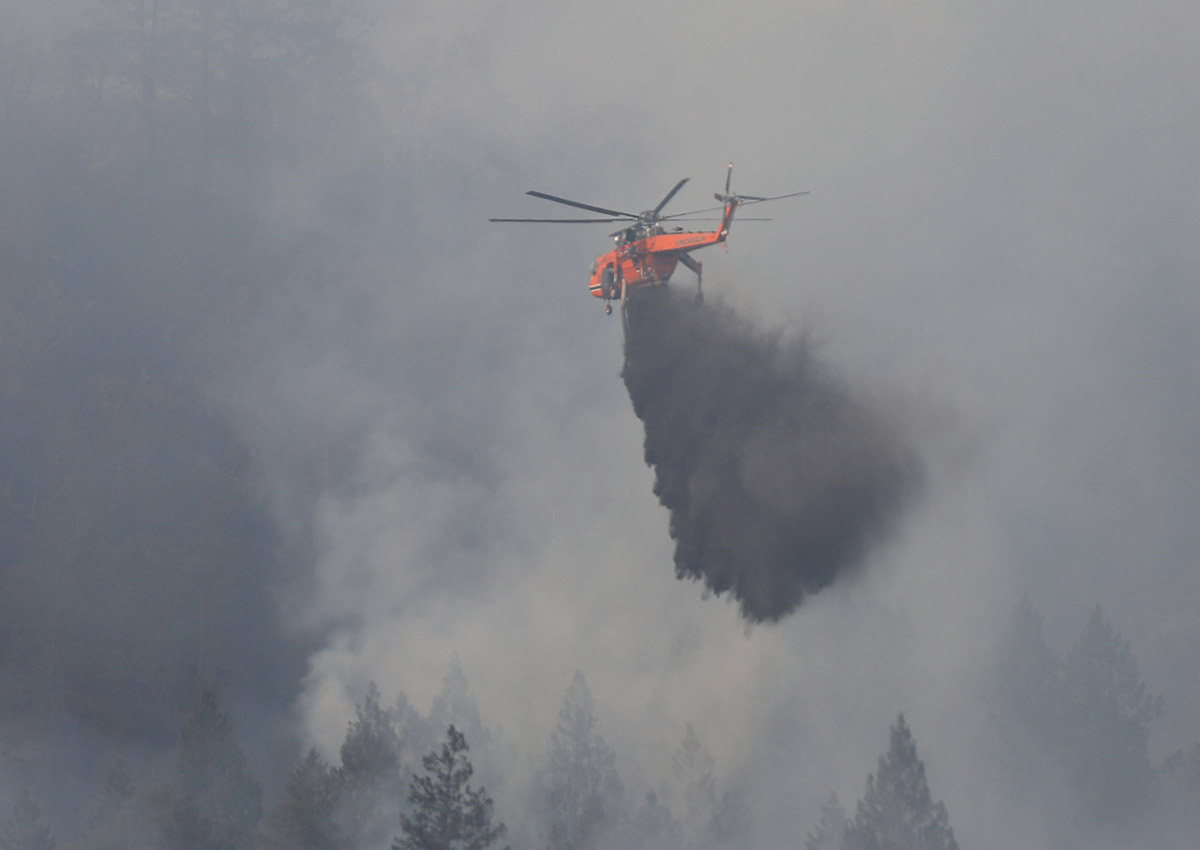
(697, 267)
(624, 307)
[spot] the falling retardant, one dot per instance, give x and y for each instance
(777, 478)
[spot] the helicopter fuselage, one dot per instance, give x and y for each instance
(646, 255)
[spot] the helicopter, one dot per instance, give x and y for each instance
(647, 252)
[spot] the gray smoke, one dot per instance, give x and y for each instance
(777, 478)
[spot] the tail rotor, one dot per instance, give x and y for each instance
(738, 200)
(724, 198)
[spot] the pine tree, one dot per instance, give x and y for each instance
(304, 818)
(581, 791)
(652, 827)
(370, 779)
(707, 821)
(215, 802)
(416, 735)
(1108, 712)
(897, 811)
(1028, 677)
(695, 794)
(455, 706)
(447, 814)
(830, 829)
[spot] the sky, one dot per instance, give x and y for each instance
(998, 246)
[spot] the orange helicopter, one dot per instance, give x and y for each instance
(646, 252)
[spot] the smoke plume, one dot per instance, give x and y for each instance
(777, 478)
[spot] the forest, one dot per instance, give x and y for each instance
(1083, 719)
(182, 184)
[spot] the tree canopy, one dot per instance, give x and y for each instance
(447, 813)
(897, 811)
(582, 794)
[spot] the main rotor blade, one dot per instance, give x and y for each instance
(669, 196)
(560, 220)
(570, 203)
(673, 216)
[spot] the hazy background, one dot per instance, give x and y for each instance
(401, 429)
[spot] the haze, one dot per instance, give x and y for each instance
(326, 425)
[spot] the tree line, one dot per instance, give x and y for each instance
(377, 797)
(405, 780)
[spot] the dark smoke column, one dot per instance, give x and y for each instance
(776, 478)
